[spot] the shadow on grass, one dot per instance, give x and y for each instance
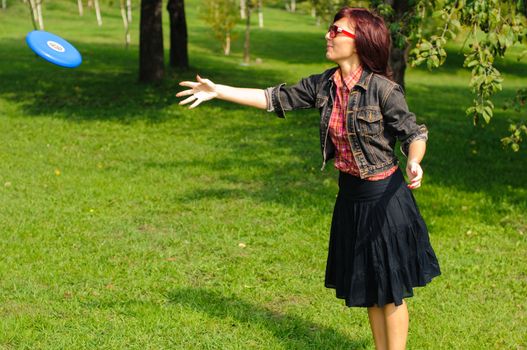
(292, 332)
(105, 88)
(467, 157)
(281, 161)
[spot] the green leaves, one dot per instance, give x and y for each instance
(493, 26)
(516, 130)
(515, 138)
(432, 51)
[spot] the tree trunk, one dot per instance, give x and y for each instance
(227, 46)
(81, 10)
(129, 11)
(98, 13)
(398, 59)
(293, 5)
(39, 15)
(151, 60)
(33, 9)
(178, 34)
(126, 24)
(399, 56)
(243, 4)
(246, 46)
(4, 4)
(260, 14)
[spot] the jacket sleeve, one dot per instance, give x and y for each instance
(282, 98)
(400, 121)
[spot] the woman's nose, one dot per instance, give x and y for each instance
(327, 37)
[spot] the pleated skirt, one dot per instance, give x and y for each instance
(379, 246)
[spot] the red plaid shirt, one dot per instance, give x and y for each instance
(344, 160)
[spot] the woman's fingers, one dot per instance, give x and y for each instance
(206, 82)
(190, 84)
(415, 183)
(188, 100)
(202, 90)
(415, 175)
(418, 177)
(413, 186)
(185, 93)
(196, 103)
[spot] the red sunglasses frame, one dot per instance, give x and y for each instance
(335, 30)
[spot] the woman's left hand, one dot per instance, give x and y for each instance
(415, 174)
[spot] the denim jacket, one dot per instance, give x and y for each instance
(377, 116)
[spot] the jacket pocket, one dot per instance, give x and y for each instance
(369, 121)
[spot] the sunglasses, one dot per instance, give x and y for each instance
(335, 30)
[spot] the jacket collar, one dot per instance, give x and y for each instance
(365, 78)
(363, 82)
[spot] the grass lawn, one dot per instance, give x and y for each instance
(130, 222)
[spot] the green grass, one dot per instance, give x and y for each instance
(122, 213)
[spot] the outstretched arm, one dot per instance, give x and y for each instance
(204, 90)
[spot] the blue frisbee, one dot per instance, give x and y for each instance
(53, 49)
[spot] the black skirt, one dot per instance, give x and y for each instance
(379, 248)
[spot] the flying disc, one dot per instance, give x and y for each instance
(53, 49)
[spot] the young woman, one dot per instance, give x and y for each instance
(379, 247)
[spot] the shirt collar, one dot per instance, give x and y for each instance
(364, 80)
(350, 81)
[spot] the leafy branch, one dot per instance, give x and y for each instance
(495, 27)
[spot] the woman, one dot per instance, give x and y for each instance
(379, 247)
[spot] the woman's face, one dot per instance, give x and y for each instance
(342, 47)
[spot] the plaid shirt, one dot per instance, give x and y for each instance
(344, 160)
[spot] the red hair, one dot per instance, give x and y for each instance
(372, 41)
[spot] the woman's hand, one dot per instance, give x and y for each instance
(415, 174)
(202, 90)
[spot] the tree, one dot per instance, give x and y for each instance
(151, 60)
(81, 10)
(242, 8)
(247, 43)
(35, 7)
(178, 34)
(126, 14)
(98, 12)
(402, 17)
(492, 27)
(326, 9)
(221, 16)
(250, 5)
(260, 14)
